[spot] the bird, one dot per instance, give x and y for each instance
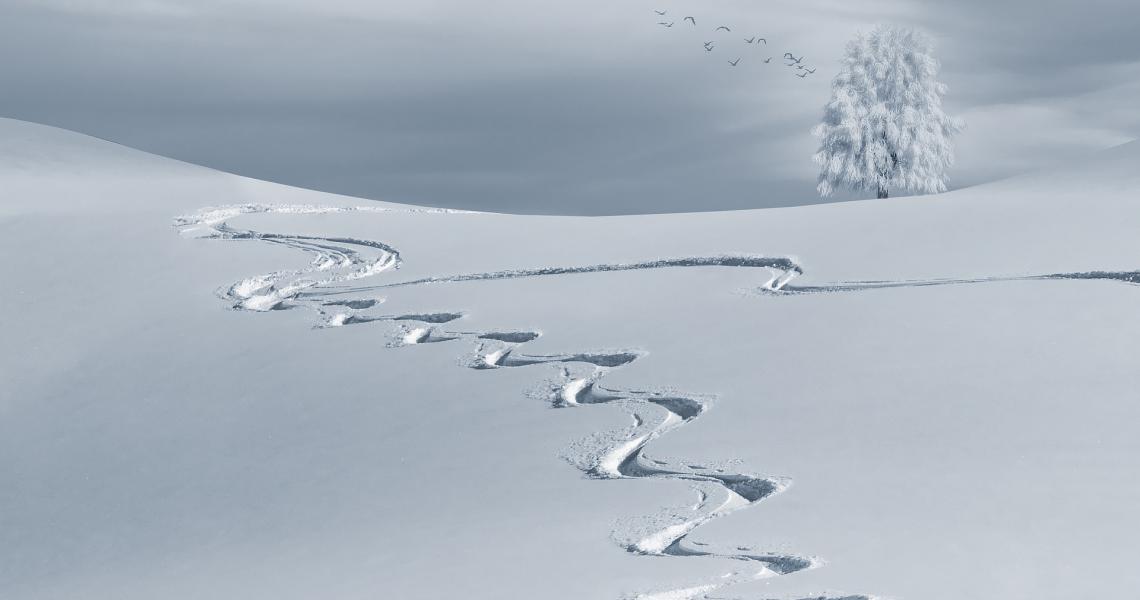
(724, 27)
(792, 57)
(809, 70)
(801, 75)
(660, 13)
(709, 48)
(734, 62)
(762, 40)
(709, 45)
(768, 60)
(789, 55)
(749, 40)
(665, 24)
(694, 21)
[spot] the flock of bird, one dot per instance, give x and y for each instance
(791, 60)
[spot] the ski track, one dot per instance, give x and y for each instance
(336, 263)
(785, 268)
(1126, 277)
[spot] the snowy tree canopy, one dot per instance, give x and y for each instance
(884, 127)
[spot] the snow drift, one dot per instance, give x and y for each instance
(955, 429)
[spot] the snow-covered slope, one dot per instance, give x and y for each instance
(299, 395)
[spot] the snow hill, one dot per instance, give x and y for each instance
(217, 387)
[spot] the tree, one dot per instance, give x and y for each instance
(884, 127)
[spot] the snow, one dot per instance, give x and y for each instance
(681, 594)
(947, 380)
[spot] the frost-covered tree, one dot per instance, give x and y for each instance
(884, 127)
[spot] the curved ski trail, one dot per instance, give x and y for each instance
(337, 263)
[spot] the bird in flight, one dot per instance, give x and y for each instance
(709, 48)
(660, 13)
(801, 75)
(762, 40)
(709, 45)
(694, 21)
(809, 70)
(768, 60)
(749, 40)
(724, 27)
(734, 62)
(665, 24)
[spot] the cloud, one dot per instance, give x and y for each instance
(1046, 136)
(119, 8)
(585, 107)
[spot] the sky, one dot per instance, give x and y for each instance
(585, 107)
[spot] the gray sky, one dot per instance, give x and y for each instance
(581, 107)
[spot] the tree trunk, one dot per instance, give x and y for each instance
(883, 192)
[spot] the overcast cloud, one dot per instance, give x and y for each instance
(586, 107)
